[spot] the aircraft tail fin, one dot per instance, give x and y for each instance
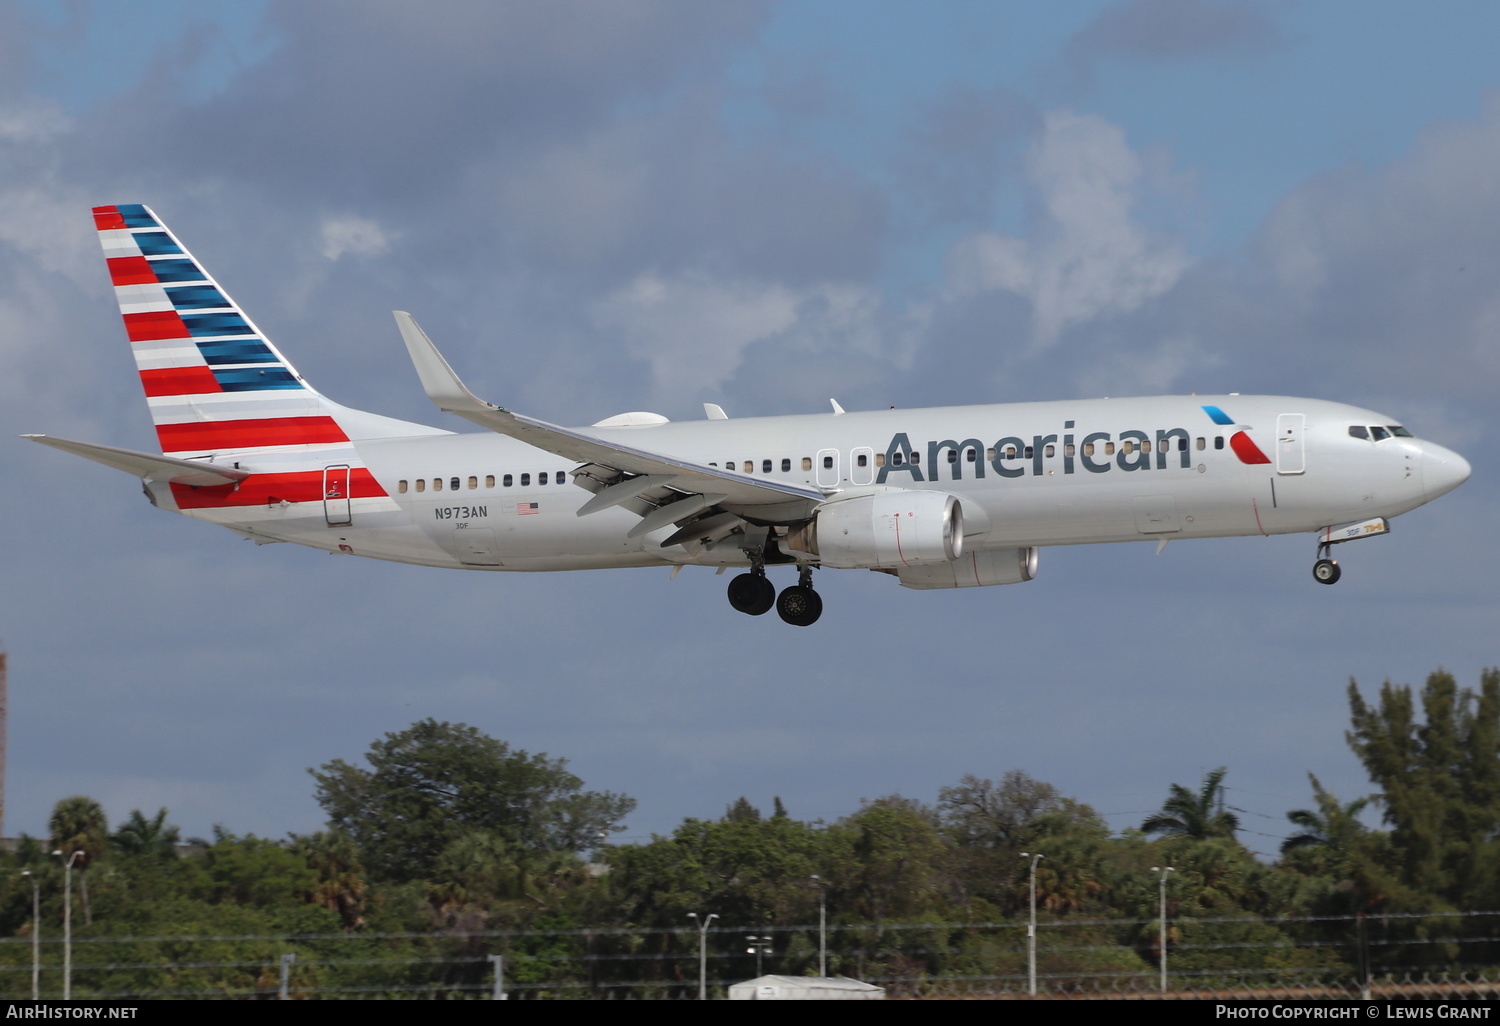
(213, 380)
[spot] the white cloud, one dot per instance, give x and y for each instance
(1089, 257)
(355, 235)
(693, 329)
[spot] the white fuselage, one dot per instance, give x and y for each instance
(1028, 474)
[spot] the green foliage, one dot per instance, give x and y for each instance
(1201, 815)
(434, 782)
(1440, 789)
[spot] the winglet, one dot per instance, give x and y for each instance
(442, 386)
(837, 409)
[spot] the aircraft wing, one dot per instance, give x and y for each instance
(148, 465)
(629, 473)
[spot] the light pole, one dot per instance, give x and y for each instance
(36, 936)
(1035, 857)
(1162, 938)
(822, 927)
(759, 946)
(68, 923)
(703, 952)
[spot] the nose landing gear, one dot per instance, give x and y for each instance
(1325, 570)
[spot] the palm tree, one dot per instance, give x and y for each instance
(153, 838)
(1332, 826)
(1199, 816)
(78, 824)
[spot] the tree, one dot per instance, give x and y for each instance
(1332, 827)
(1199, 816)
(1439, 781)
(78, 824)
(152, 838)
(433, 782)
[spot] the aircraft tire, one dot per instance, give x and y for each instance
(799, 606)
(1326, 571)
(752, 594)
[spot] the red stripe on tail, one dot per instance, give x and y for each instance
(148, 327)
(131, 271)
(248, 434)
(107, 219)
(179, 381)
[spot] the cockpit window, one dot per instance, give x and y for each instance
(1399, 431)
(1379, 433)
(1359, 431)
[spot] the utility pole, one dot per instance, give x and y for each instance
(1035, 857)
(703, 952)
(68, 923)
(4, 729)
(1162, 937)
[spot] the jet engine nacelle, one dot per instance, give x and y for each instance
(888, 529)
(974, 570)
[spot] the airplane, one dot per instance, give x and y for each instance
(951, 497)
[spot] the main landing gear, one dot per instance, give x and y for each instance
(1325, 570)
(798, 605)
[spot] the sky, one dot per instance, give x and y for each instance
(600, 207)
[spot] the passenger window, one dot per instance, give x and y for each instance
(786, 465)
(765, 466)
(1380, 433)
(437, 484)
(807, 463)
(828, 462)
(1028, 452)
(1359, 431)
(401, 487)
(1145, 446)
(541, 478)
(489, 480)
(896, 459)
(1202, 443)
(712, 464)
(1050, 451)
(1218, 441)
(973, 454)
(880, 459)
(473, 483)
(1109, 448)
(952, 455)
(525, 480)
(506, 481)
(1068, 450)
(1088, 448)
(1181, 444)
(1010, 452)
(421, 484)
(864, 460)
(916, 457)
(453, 485)
(1127, 447)
(749, 466)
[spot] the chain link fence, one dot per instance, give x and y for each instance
(1429, 956)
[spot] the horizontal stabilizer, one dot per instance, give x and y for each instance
(148, 465)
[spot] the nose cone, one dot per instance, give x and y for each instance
(1442, 470)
